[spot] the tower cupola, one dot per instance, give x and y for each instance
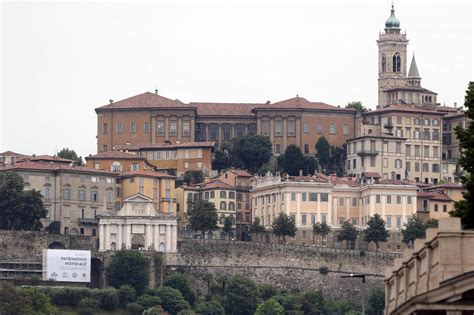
(392, 22)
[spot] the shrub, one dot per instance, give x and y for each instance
(241, 295)
(266, 291)
(107, 298)
(181, 283)
(157, 310)
(128, 267)
(40, 302)
(172, 300)
(270, 307)
(312, 301)
(126, 294)
(186, 312)
(12, 302)
(148, 301)
(134, 308)
(323, 270)
(213, 307)
(87, 306)
(362, 253)
(67, 296)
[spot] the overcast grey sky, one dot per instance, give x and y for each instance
(60, 60)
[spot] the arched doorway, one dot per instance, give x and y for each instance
(162, 247)
(97, 277)
(56, 245)
(138, 241)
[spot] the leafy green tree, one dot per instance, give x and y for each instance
(40, 302)
(228, 229)
(193, 177)
(172, 300)
(241, 296)
(266, 291)
(283, 226)
(270, 307)
(338, 157)
(255, 151)
(311, 165)
(290, 302)
(212, 307)
(54, 227)
(256, 227)
(292, 161)
(221, 161)
(181, 283)
(126, 294)
(312, 302)
(358, 106)
(203, 217)
(414, 228)
(65, 153)
(376, 231)
(148, 301)
(465, 208)
(348, 232)
(321, 229)
(19, 209)
(324, 151)
(88, 306)
(13, 302)
(377, 301)
(128, 267)
(431, 223)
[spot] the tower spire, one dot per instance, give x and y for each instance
(413, 72)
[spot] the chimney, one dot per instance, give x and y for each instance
(111, 101)
(455, 105)
(156, 91)
(268, 103)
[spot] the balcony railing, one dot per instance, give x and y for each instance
(88, 221)
(367, 153)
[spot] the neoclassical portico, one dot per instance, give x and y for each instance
(139, 226)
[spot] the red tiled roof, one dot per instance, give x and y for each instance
(351, 182)
(434, 196)
(409, 88)
(141, 146)
(241, 173)
(224, 109)
(11, 153)
(215, 184)
(319, 178)
(395, 182)
(371, 174)
(119, 155)
(145, 100)
(46, 158)
(146, 174)
(405, 108)
(41, 166)
(302, 103)
(446, 185)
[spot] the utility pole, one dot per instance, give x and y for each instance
(351, 275)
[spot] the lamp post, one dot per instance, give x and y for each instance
(351, 275)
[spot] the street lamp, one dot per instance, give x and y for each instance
(351, 275)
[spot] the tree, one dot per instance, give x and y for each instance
(465, 208)
(13, 302)
(40, 302)
(292, 161)
(126, 294)
(65, 153)
(256, 227)
(228, 230)
(270, 307)
(266, 291)
(324, 151)
(312, 302)
(181, 283)
(283, 225)
(203, 217)
(414, 228)
(377, 301)
(128, 267)
(255, 151)
(172, 300)
(358, 106)
(431, 223)
(212, 307)
(321, 229)
(338, 157)
(348, 232)
(193, 177)
(290, 302)
(221, 161)
(241, 296)
(54, 227)
(19, 209)
(376, 231)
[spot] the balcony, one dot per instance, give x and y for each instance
(388, 126)
(87, 221)
(367, 153)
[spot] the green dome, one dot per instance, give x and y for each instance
(392, 21)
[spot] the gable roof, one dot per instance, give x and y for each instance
(224, 109)
(145, 100)
(302, 103)
(151, 174)
(143, 146)
(51, 167)
(118, 155)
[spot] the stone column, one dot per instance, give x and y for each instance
(156, 234)
(119, 237)
(149, 236)
(259, 126)
(348, 203)
(219, 135)
(329, 219)
(285, 134)
(167, 128)
(101, 237)
(360, 211)
(192, 128)
(173, 238)
(168, 237)
(404, 209)
(298, 209)
(298, 131)
(128, 236)
(179, 127)
(153, 129)
(288, 200)
(335, 205)
(318, 209)
(107, 236)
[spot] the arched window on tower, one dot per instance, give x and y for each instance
(384, 63)
(396, 63)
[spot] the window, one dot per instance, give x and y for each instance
(173, 130)
(435, 134)
(133, 127)
(265, 127)
(306, 127)
(377, 198)
(399, 199)
(306, 148)
(389, 199)
(399, 132)
(303, 219)
(213, 132)
(277, 148)
(231, 206)
(435, 168)
(341, 201)
(213, 195)
(105, 148)
(398, 163)
(408, 166)
(226, 131)
(94, 195)
(118, 127)
(345, 130)
(293, 196)
(278, 127)
(323, 218)
(435, 122)
(407, 150)
(319, 128)
(372, 161)
(426, 134)
(396, 63)
(105, 128)
(116, 166)
(67, 194)
(417, 151)
(324, 197)
(399, 221)
(398, 148)
(416, 134)
(354, 202)
(135, 167)
(389, 221)
(66, 230)
(384, 63)
(445, 208)
(252, 128)
(426, 167)
(409, 200)
(223, 194)
(222, 219)
(223, 205)
(426, 151)
(82, 194)
(313, 219)
(354, 163)
(146, 127)
(417, 166)
(291, 127)
(332, 129)
(186, 128)
(435, 152)
(385, 162)
(313, 197)
(160, 128)
(436, 208)
(231, 195)
(109, 195)
(46, 192)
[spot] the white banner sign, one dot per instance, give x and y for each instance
(67, 265)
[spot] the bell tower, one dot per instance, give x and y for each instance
(392, 59)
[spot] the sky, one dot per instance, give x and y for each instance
(62, 59)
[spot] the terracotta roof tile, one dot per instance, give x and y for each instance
(302, 103)
(224, 109)
(42, 166)
(405, 108)
(241, 173)
(371, 174)
(11, 153)
(146, 174)
(141, 146)
(45, 158)
(115, 155)
(395, 182)
(446, 185)
(145, 100)
(434, 196)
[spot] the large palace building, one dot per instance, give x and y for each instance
(153, 119)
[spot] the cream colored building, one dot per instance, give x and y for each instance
(138, 225)
(319, 198)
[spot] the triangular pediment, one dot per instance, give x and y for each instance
(138, 205)
(138, 198)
